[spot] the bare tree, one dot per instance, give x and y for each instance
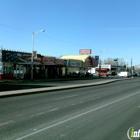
(115, 62)
(137, 68)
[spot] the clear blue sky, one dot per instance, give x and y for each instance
(71, 25)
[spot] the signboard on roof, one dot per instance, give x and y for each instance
(85, 51)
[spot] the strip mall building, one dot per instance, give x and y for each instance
(17, 65)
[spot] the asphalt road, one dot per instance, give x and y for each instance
(104, 112)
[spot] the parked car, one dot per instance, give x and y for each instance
(106, 74)
(135, 74)
(95, 74)
(124, 74)
(74, 74)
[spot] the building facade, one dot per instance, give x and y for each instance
(17, 65)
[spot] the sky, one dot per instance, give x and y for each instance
(110, 28)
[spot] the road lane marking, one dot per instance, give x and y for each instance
(66, 97)
(81, 102)
(54, 109)
(6, 123)
(38, 114)
(77, 116)
(73, 104)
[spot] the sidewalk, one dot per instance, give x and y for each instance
(45, 80)
(47, 89)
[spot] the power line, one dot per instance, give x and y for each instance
(64, 41)
(9, 26)
(15, 27)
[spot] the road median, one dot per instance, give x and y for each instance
(46, 89)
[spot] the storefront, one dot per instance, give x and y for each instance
(74, 66)
(17, 65)
(61, 67)
(85, 59)
(49, 66)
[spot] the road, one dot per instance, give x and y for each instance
(104, 112)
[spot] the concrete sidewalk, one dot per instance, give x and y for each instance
(46, 89)
(45, 80)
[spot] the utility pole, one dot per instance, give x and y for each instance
(131, 67)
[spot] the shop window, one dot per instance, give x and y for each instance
(8, 68)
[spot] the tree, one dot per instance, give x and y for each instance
(137, 67)
(115, 62)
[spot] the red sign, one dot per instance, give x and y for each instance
(85, 51)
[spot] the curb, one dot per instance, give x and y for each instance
(46, 89)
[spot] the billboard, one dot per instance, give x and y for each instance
(85, 51)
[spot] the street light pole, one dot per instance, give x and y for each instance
(131, 67)
(32, 56)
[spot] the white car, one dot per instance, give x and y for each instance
(95, 74)
(124, 74)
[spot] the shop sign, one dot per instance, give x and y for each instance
(60, 62)
(85, 51)
(48, 60)
(74, 63)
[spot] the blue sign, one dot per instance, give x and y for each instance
(96, 57)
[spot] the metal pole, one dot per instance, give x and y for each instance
(100, 64)
(32, 60)
(131, 67)
(32, 56)
(100, 60)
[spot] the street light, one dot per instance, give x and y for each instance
(32, 60)
(132, 67)
(100, 60)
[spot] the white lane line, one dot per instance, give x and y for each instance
(38, 114)
(73, 104)
(66, 97)
(6, 123)
(54, 109)
(77, 116)
(81, 102)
